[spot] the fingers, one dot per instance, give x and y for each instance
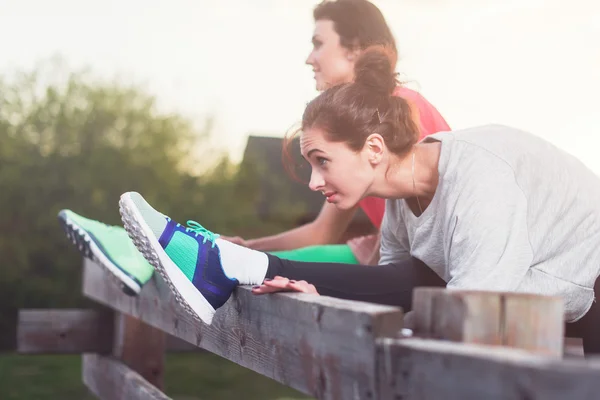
(303, 287)
(276, 284)
(281, 284)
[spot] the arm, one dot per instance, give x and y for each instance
(489, 240)
(328, 227)
(366, 248)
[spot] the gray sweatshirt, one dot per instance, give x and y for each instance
(511, 212)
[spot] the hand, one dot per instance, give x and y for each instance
(365, 249)
(235, 239)
(281, 284)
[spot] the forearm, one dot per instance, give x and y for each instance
(391, 284)
(303, 236)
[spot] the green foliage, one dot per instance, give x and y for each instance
(79, 143)
(187, 377)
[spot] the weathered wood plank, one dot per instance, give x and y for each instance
(321, 346)
(460, 316)
(58, 331)
(534, 323)
(109, 379)
(64, 331)
(427, 369)
(176, 345)
(525, 321)
(141, 347)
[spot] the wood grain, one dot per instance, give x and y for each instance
(322, 346)
(50, 331)
(411, 369)
(109, 379)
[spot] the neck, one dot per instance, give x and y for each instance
(398, 181)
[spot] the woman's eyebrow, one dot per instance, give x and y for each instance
(312, 151)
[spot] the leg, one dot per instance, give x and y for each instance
(588, 327)
(109, 247)
(391, 284)
(203, 270)
(335, 253)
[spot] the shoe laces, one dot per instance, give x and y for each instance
(197, 229)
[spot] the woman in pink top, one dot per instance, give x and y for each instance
(343, 29)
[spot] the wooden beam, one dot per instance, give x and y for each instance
(141, 347)
(319, 345)
(427, 369)
(109, 379)
(176, 345)
(59, 331)
(64, 331)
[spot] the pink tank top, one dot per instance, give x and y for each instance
(431, 122)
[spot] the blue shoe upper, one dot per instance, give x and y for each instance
(196, 254)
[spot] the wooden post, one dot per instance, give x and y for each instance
(141, 347)
(136, 368)
(534, 323)
(469, 317)
(525, 321)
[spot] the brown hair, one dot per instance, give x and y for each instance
(359, 23)
(350, 112)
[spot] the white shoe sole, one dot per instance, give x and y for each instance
(88, 247)
(186, 294)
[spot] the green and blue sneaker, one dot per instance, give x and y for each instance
(188, 258)
(110, 247)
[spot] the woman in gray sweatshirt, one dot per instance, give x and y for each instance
(487, 208)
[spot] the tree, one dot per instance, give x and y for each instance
(80, 143)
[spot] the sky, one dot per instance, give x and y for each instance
(532, 64)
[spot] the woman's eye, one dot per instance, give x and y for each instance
(317, 43)
(321, 160)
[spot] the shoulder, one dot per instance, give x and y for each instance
(491, 141)
(472, 156)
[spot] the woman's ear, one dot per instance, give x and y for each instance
(353, 54)
(374, 146)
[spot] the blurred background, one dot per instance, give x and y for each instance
(187, 101)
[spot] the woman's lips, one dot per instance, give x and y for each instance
(330, 196)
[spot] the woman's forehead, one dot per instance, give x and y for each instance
(324, 28)
(317, 139)
(311, 138)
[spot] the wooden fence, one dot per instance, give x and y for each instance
(467, 345)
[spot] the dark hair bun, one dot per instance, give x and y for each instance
(375, 69)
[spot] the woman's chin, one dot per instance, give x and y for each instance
(321, 86)
(344, 205)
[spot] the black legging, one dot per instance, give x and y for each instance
(393, 284)
(588, 327)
